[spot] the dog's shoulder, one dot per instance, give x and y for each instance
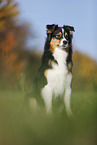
(39, 80)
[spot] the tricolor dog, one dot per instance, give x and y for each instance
(54, 76)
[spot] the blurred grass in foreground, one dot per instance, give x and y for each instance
(20, 126)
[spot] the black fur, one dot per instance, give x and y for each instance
(40, 79)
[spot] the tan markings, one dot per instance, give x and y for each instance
(51, 30)
(53, 44)
(66, 34)
(52, 48)
(71, 32)
(46, 72)
(49, 62)
(67, 49)
(60, 33)
(69, 67)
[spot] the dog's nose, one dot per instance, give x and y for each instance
(65, 42)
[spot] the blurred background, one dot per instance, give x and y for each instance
(22, 38)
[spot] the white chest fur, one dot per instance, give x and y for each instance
(56, 77)
(58, 82)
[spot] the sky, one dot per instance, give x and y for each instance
(78, 13)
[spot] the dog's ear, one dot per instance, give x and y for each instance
(51, 28)
(70, 28)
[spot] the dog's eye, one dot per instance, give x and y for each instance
(58, 36)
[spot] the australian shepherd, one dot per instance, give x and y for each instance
(54, 76)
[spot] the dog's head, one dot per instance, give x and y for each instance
(59, 37)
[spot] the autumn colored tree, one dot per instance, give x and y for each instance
(8, 13)
(84, 72)
(13, 37)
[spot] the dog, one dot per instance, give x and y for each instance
(54, 76)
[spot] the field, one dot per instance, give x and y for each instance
(21, 126)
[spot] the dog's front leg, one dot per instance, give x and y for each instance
(47, 97)
(67, 95)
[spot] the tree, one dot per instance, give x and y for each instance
(13, 37)
(8, 14)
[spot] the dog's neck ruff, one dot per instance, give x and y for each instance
(61, 57)
(56, 77)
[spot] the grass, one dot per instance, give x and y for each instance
(20, 126)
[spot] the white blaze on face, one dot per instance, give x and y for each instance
(63, 33)
(64, 39)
